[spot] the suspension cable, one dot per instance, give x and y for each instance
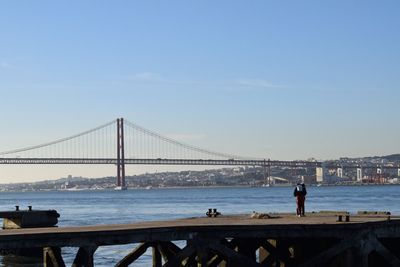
(56, 141)
(190, 147)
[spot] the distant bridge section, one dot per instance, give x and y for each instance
(209, 162)
(363, 166)
(121, 142)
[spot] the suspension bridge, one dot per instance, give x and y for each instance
(122, 142)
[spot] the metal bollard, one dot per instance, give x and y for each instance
(212, 213)
(209, 213)
(30, 208)
(347, 218)
(339, 218)
(17, 208)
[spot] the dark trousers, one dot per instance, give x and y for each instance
(300, 204)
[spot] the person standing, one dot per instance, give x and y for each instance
(300, 193)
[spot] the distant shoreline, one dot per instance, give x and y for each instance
(189, 187)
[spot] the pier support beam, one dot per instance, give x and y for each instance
(84, 257)
(134, 255)
(168, 250)
(156, 257)
(52, 257)
(248, 247)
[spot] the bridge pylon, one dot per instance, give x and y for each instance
(121, 185)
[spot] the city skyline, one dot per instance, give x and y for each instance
(273, 80)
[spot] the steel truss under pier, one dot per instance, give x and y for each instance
(236, 241)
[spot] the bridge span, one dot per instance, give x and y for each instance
(159, 161)
(121, 143)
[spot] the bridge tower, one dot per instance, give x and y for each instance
(121, 185)
(267, 173)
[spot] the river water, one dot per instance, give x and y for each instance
(110, 207)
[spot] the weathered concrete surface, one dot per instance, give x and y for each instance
(318, 239)
(279, 226)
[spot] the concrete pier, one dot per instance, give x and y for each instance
(29, 218)
(319, 239)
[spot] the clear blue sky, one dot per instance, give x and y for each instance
(274, 79)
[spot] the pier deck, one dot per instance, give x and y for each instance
(237, 240)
